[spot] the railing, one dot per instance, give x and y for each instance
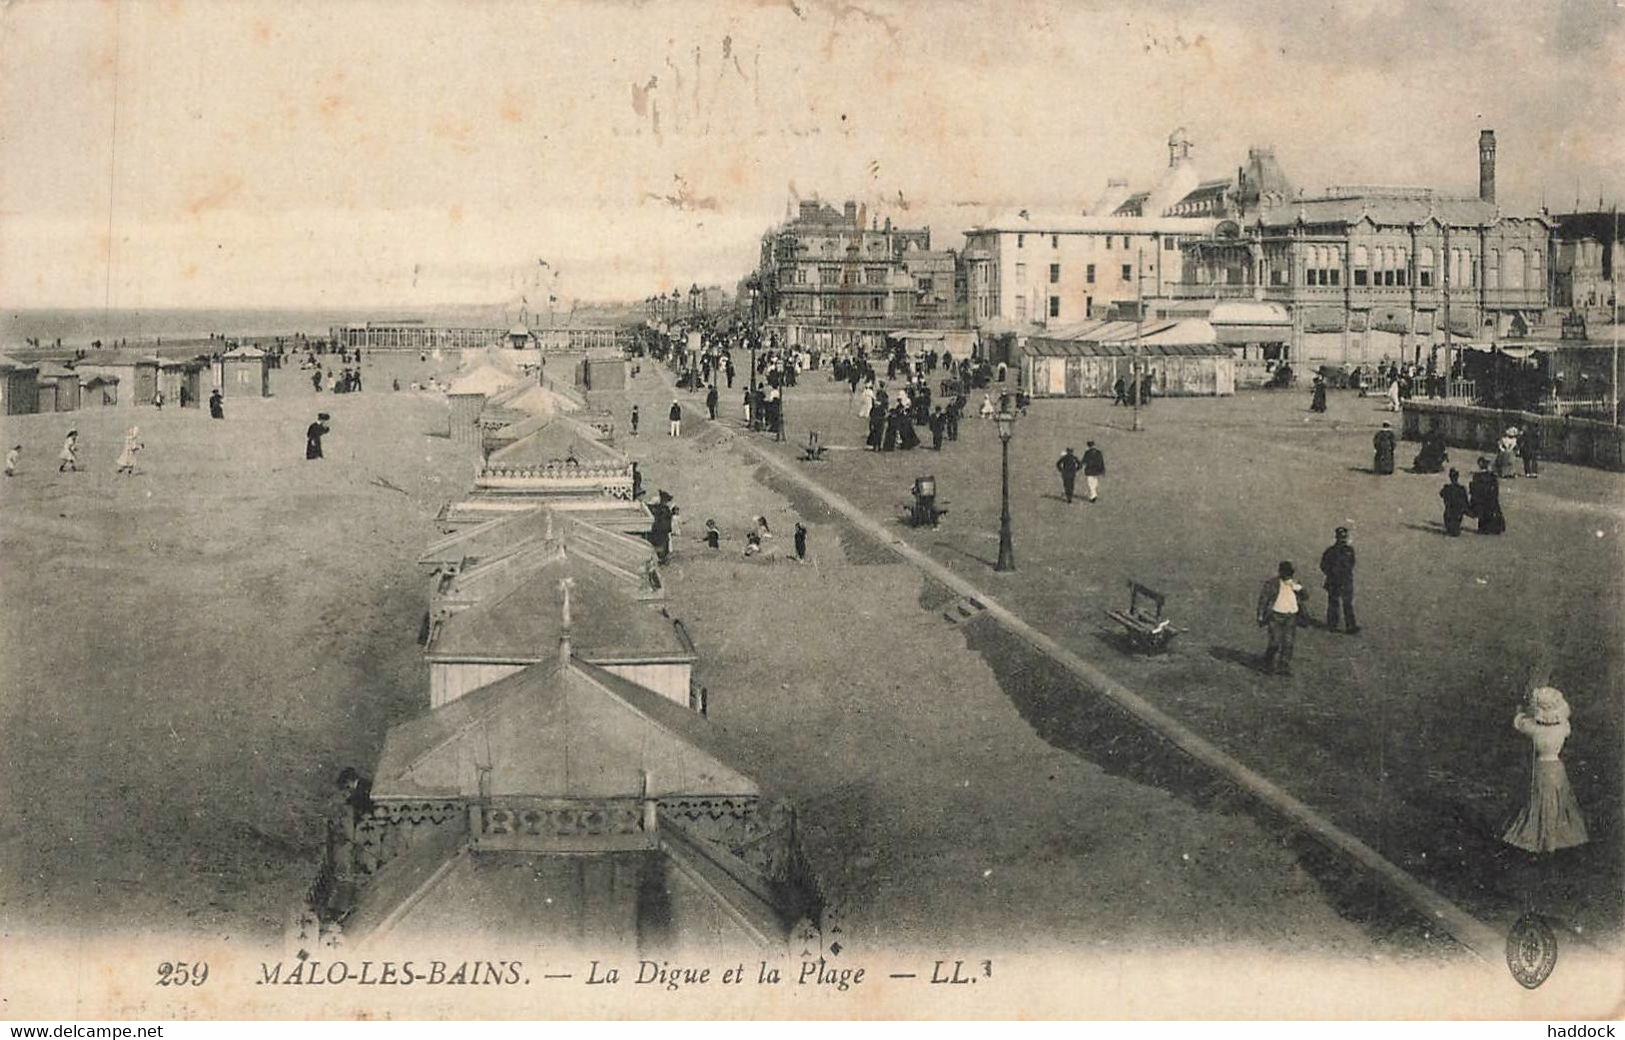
(540, 823)
(356, 849)
(1215, 291)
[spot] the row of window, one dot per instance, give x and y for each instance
(834, 304)
(1055, 273)
(1168, 241)
(1053, 307)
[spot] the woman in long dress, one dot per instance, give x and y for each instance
(1551, 818)
(1382, 445)
(1506, 450)
(126, 458)
(1484, 500)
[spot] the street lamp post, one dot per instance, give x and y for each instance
(1006, 420)
(754, 285)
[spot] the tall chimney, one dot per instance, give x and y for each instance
(1486, 165)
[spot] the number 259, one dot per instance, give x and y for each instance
(181, 973)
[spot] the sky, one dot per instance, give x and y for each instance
(181, 153)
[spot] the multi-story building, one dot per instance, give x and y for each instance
(832, 280)
(1181, 193)
(1585, 260)
(1037, 270)
(1374, 274)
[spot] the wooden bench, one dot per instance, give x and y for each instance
(813, 451)
(1148, 632)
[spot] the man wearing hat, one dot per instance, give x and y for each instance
(1456, 504)
(1068, 464)
(1337, 564)
(1278, 612)
(313, 436)
(1094, 467)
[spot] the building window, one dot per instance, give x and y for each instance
(1170, 242)
(1055, 241)
(1021, 308)
(1054, 273)
(923, 283)
(1125, 242)
(1021, 272)
(1424, 278)
(1128, 272)
(1359, 276)
(1021, 241)
(874, 275)
(1089, 274)
(1055, 306)
(1337, 276)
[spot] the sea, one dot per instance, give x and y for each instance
(81, 327)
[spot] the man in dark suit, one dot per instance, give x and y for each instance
(1337, 564)
(1278, 612)
(1068, 464)
(1455, 504)
(1094, 467)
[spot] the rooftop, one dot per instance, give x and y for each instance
(558, 730)
(1066, 223)
(516, 613)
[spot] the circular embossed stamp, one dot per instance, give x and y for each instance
(1531, 950)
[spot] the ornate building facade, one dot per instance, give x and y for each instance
(830, 279)
(1380, 274)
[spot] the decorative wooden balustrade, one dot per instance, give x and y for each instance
(559, 476)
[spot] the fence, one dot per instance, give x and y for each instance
(1584, 442)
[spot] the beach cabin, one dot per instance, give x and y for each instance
(466, 398)
(561, 459)
(98, 391)
(565, 806)
(19, 387)
(244, 372)
(604, 373)
(58, 388)
(504, 614)
(136, 375)
(632, 559)
(178, 374)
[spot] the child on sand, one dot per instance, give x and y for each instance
(11, 459)
(69, 455)
(126, 458)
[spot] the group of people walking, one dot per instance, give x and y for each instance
(1481, 498)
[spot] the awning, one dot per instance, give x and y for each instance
(1037, 347)
(1240, 335)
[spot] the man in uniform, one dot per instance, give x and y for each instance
(1337, 564)
(1068, 464)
